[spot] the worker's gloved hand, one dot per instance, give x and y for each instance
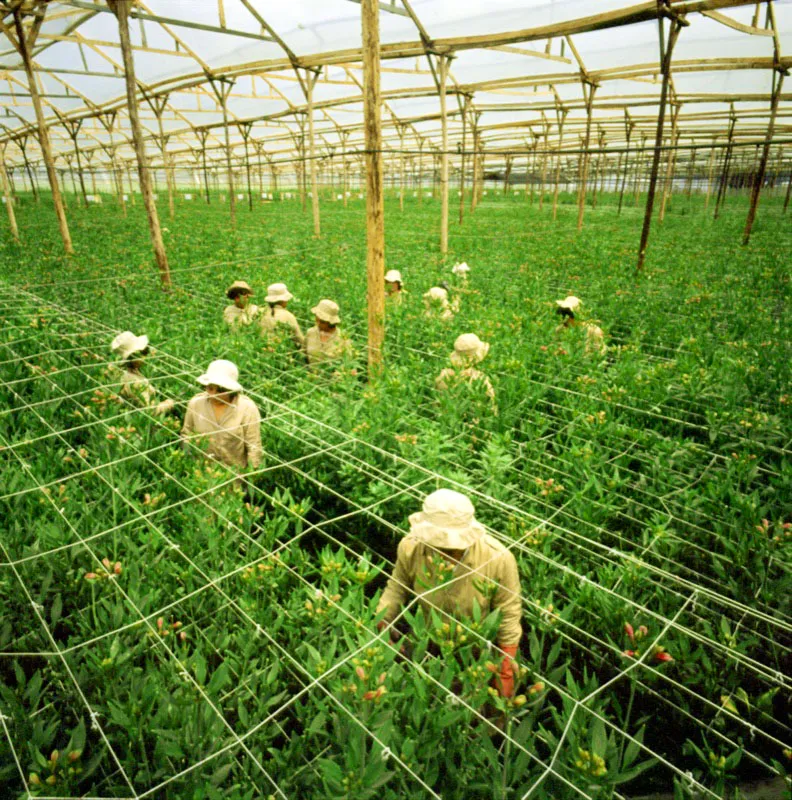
(164, 407)
(504, 681)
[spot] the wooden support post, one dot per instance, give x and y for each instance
(310, 82)
(22, 142)
(532, 167)
(202, 135)
(375, 206)
(24, 43)
(545, 153)
(465, 111)
(9, 199)
(589, 99)
(598, 169)
(788, 191)
(400, 129)
(778, 82)
(222, 88)
(300, 166)
(630, 125)
(244, 130)
(73, 129)
(710, 173)
(507, 173)
(443, 75)
(666, 51)
(727, 156)
(121, 10)
(561, 114)
(107, 121)
(476, 161)
(345, 165)
(157, 105)
(671, 163)
(691, 168)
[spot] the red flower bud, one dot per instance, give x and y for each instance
(663, 656)
(628, 629)
(361, 673)
(630, 653)
(91, 576)
(117, 568)
(160, 623)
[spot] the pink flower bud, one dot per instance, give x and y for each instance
(663, 656)
(117, 568)
(360, 672)
(183, 636)
(643, 630)
(630, 653)
(106, 563)
(369, 695)
(382, 677)
(160, 623)
(90, 576)
(628, 629)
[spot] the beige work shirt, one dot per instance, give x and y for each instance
(452, 377)
(235, 316)
(487, 565)
(280, 317)
(234, 439)
(321, 347)
(395, 298)
(595, 339)
(136, 388)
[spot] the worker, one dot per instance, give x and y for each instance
(226, 418)
(460, 271)
(242, 312)
(446, 534)
(278, 317)
(568, 309)
(394, 293)
(436, 302)
(131, 352)
(325, 341)
(468, 351)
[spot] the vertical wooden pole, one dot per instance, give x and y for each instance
(443, 74)
(628, 133)
(310, 80)
(345, 166)
(665, 61)
(589, 95)
(22, 142)
(691, 169)
(778, 82)
(710, 173)
(9, 199)
(476, 159)
(400, 130)
(562, 115)
(726, 164)
(507, 173)
(22, 45)
(202, 135)
(671, 163)
(222, 89)
(121, 9)
(465, 111)
(375, 206)
(544, 162)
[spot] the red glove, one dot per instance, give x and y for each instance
(504, 682)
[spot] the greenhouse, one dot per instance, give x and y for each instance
(396, 399)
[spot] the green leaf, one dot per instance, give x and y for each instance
(221, 773)
(599, 739)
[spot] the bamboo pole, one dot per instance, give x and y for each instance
(22, 142)
(562, 115)
(727, 156)
(375, 206)
(73, 129)
(465, 112)
(345, 166)
(22, 44)
(244, 130)
(121, 9)
(589, 96)
(670, 164)
(310, 82)
(778, 80)
(476, 158)
(202, 135)
(9, 199)
(710, 173)
(400, 129)
(666, 51)
(630, 125)
(443, 74)
(222, 88)
(691, 169)
(788, 192)
(544, 162)
(507, 174)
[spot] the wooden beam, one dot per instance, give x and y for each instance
(737, 26)
(375, 207)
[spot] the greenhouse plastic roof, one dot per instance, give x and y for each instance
(520, 65)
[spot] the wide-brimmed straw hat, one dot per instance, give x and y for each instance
(393, 276)
(222, 373)
(468, 349)
(447, 521)
(278, 293)
(437, 293)
(238, 287)
(570, 303)
(460, 269)
(327, 311)
(126, 343)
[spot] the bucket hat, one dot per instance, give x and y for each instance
(468, 348)
(393, 275)
(570, 303)
(238, 287)
(222, 373)
(460, 269)
(437, 293)
(447, 521)
(278, 293)
(126, 343)
(327, 311)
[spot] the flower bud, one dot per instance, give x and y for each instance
(117, 568)
(628, 629)
(360, 672)
(34, 779)
(90, 576)
(74, 755)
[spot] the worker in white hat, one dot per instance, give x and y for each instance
(468, 351)
(279, 318)
(325, 341)
(394, 293)
(242, 312)
(444, 538)
(131, 352)
(437, 305)
(228, 420)
(569, 311)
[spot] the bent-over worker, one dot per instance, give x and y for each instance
(445, 533)
(468, 351)
(131, 352)
(568, 309)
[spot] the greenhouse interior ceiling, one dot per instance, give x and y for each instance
(520, 78)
